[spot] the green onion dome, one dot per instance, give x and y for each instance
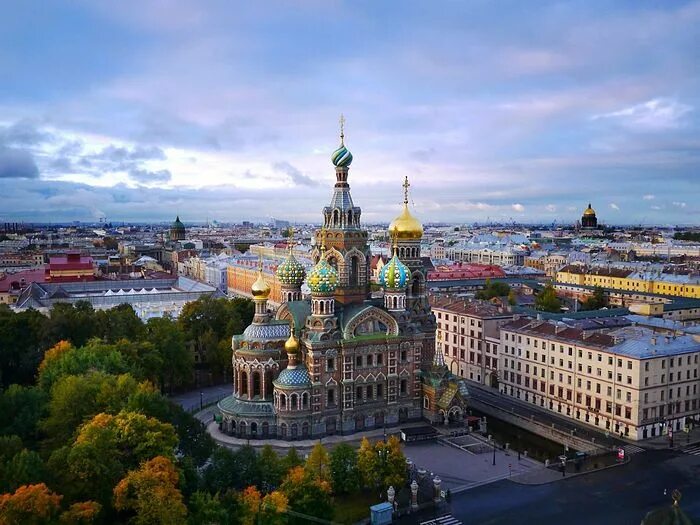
(291, 272)
(177, 225)
(342, 158)
(394, 274)
(323, 278)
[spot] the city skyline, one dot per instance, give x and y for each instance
(496, 112)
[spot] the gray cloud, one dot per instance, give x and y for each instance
(297, 177)
(149, 177)
(17, 164)
(23, 133)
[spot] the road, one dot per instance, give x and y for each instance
(621, 495)
(191, 400)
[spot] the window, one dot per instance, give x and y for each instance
(330, 364)
(380, 359)
(403, 356)
(358, 361)
(358, 394)
(403, 386)
(380, 390)
(370, 360)
(330, 397)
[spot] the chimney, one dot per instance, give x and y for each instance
(653, 340)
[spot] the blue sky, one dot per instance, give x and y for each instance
(138, 110)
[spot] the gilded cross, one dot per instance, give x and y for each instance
(406, 185)
(342, 128)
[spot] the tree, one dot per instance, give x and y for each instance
(368, 464)
(70, 322)
(291, 459)
(21, 409)
(229, 469)
(30, 505)
(381, 465)
(168, 338)
(596, 301)
(84, 512)
(395, 465)
(307, 495)
(493, 289)
(23, 468)
(270, 469)
(120, 322)
(317, 463)
(20, 345)
(547, 300)
(345, 475)
(151, 493)
(206, 509)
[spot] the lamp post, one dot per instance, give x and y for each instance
(493, 442)
(201, 400)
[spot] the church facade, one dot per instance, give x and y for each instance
(341, 361)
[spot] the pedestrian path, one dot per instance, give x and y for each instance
(632, 449)
(447, 519)
(693, 450)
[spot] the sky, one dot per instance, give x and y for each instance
(140, 110)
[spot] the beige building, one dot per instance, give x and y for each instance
(468, 335)
(630, 381)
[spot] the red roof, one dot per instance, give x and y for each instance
(71, 261)
(14, 281)
(461, 271)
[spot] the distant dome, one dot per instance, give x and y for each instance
(291, 272)
(323, 278)
(588, 212)
(394, 275)
(177, 225)
(406, 226)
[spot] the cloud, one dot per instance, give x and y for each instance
(296, 176)
(149, 177)
(121, 154)
(649, 197)
(653, 115)
(679, 204)
(23, 133)
(17, 164)
(655, 207)
(614, 206)
(518, 207)
(550, 208)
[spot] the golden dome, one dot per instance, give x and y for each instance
(589, 211)
(260, 288)
(291, 346)
(405, 226)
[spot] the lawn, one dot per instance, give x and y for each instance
(351, 508)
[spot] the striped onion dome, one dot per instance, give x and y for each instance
(341, 158)
(394, 274)
(322, 279)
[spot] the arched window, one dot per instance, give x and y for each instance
(295, 401)
(242, 428)
(283, 430)
(321, 305)
(354, 271)
(283, 402)
(268, 384)
(253, 429)
(305, 429)
(336, 218)
(426, 402)
(256, 384)
(305, 400)
(243, 387)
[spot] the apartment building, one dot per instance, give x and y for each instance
(630, 381)
(468, 335)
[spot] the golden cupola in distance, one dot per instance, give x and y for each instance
(405, 226)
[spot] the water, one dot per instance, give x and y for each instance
(537, 447)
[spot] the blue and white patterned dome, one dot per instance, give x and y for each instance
(394, 274)
(296, 376)
(291, 272)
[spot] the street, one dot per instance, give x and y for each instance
(191, 400)
(620, 495)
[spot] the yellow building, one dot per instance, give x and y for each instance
(241, 277)
(645, 282)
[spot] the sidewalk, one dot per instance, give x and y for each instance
(680, 440)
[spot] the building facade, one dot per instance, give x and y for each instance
(340, 362)
(630, 381)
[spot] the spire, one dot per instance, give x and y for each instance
(406, 185)
(439, 359)
(342, 129)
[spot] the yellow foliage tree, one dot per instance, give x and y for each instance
(30, 505)
(54, 353)
(152, 493)
(84, 512)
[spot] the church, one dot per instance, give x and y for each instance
(342, 361)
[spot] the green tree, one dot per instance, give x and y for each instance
(270, 467)
(23, 468)
(317, 464)
(21, 408)
(70, 322)
(547, 300)
(291, 459)
(168, 338)
(206, 509)
(345, 475)
(596, 301)
(120, 322)
(493, 289)
(232, 470)
(20, 345)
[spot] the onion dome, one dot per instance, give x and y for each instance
(260, 288)
(394, 274)
(291, 346)
(291, 272)
(589, 211)
(323, 278)
(341, 158)
(406, 226)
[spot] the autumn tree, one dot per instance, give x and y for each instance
(81, 513)
(317, 463)
(151, 493)
(29, 505)
(307, 495)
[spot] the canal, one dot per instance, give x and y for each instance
(537, 447)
